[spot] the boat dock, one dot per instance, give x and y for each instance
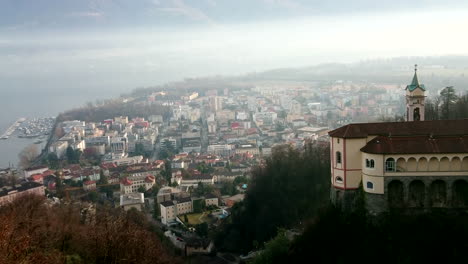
(12, 128)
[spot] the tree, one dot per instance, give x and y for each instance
(291, 187)
(70, 154)
(141, 189)
(59, 185)
(139, 149)
(240, 179)
(202, 229)
(204, 168)
(461, 107)
(156, 209)
(228, 188)
(53, 160)
(27, 156)
(167, 173)
(198, 205)
(449, 99)
(103, 178)
(275, 250)
(431, 109)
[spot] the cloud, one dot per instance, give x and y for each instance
(291, 4)
(87, 14)
(211, 3)
(179, 7)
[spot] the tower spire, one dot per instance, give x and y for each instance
(415, 99)
(415, 81)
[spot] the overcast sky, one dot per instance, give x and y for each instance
(121, 44)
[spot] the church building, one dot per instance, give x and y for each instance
(413, 164)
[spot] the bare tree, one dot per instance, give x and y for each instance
(27, 156)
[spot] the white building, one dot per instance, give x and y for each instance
(133, 183)
(10, 193)
(168, 212)
(128, 160)
(212, 127)
(34, 170)
(132, 200)
(79, 145)
(118, 144)
(242, 116)
(221, 149)
(59, 148)
(164, 142)
(194, 180)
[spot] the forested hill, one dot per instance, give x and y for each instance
(34, 231)
(288, 190)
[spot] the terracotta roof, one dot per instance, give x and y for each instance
(416, 145)
(37, 176)
(126, 182)
(149, 178)
(89, 182)
(417, 128)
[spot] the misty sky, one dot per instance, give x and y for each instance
(117, 45)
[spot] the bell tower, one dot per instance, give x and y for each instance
(415, 99)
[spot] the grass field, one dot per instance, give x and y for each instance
(195, 219)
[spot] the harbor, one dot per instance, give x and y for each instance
(36, 128)
(12, 128)
(30, 131)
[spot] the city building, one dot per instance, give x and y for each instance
(89, 185)
(195, 179)
(168, 212)
(35, 170)
(211, 200)
(59, 148)
(10, 193)
(128, 160)
(132, 200)
(133, 183)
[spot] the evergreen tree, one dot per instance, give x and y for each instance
(449, 99)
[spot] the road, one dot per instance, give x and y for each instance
(204, 132)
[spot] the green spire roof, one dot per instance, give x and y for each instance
(415, 83)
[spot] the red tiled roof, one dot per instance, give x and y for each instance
(149, 178)
(416, 145)
(89, 182)
(418, 128)
(108, 165)
(37, 176)
(126, 182)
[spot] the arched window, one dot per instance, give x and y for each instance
(339, 179)
(370, 185)
(390, 164)
(338, 157)
(372, 163)
(367, 163)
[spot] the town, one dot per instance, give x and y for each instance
(186, 169)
